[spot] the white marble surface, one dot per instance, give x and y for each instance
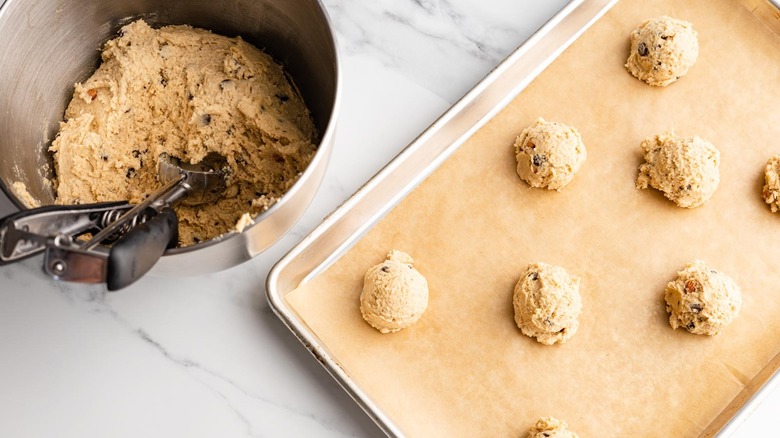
(204, 356)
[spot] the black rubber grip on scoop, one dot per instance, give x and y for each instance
(134, 254)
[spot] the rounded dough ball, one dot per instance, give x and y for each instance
(549, 154)
(702, 299)
(662, 50)
(547, 303)
(685, 169)
(395, 295)
(772, 187)
(550, 427)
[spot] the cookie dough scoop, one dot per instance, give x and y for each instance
(547, 303)
(549, 154)
(395, 295)
(685, 169)
(662, 50)
(126, 240)
(771, 190)
(702, 300)
(550, 427)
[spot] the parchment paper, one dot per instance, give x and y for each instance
(465, 369)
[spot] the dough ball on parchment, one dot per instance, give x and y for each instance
(702, 300)
(395, 295)
(549, 427)
(685, 169)
(772, 186)
(662, 50)
(547, 303)
(549, 154)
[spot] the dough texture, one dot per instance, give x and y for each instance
(20, 190)
(188, 93)
(549, 427)
(547, 303)
(662, 50)
(685, 169)
(549, 154)
(395, 295)
(772, 186)
(702, 299)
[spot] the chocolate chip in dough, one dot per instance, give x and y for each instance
(538, 159)
(642, 49)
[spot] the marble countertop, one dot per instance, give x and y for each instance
(204, 355)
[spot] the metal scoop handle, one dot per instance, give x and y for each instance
(26, 233)
(168, 195)
(138, 234)
(128, 240)
(137, 251)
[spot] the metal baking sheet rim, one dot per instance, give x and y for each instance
(340, 230)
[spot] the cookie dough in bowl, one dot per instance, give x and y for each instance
(702, 300)
(188, 93)
(395, 294)
(547, 303)
(549, 154)
(662, 50)
(771, 191)
(685, 169)
(550, 427)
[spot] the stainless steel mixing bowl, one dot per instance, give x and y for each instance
(47, 45)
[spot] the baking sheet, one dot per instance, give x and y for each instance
(465, 369)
